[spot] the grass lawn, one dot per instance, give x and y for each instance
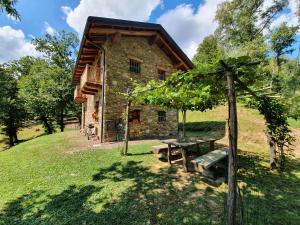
(56, 179)
(24, 134)
(294, 123)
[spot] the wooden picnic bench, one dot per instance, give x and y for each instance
(210, 163)
(162, 150)
(184, 146)
(204, 162)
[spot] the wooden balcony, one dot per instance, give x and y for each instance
(78, 96)
(90, 80)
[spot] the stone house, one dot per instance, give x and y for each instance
(112, 53)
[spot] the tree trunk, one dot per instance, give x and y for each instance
(61, 120)
(272, 148)
(232, 153)
(125, 150)
(183, 123)
(47, 125)
(10, 131)
(16, 140)
(15, 132)
(11, 140)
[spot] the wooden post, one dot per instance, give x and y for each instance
(125, 150)
(211, 145)
(183, 123)
(232, 153)
(184, 159)
(169, 154)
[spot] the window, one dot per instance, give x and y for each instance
(135, 115)
(161, 116)
(161, 74)
(134, 66)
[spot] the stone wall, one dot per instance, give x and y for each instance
(89, 108)
(117, 80)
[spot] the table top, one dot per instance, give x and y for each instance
(179, 143)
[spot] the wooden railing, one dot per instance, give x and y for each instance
(90, 80)
(79, 97)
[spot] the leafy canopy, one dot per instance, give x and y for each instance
(9, 7)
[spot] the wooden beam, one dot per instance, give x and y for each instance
(89, 48)
(88, 92)
(98, 38)
(116, 38)
(173, 52)
(178, 64)
(87, 57)
(111, 31)
(153, 39)
(84, 61)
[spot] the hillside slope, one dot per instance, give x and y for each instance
(58, 179)
(251, 128)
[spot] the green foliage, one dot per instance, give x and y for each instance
(289, 80)
(11, 113)
(180, 92)
(209, 51)
(9, 7)
(60, 51)
(242, 21)
(282, 38)
(275, 114)
(60, 48)
(36, 89)
(22, 66)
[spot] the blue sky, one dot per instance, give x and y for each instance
(194, 17)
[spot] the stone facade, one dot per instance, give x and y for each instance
(117, 78)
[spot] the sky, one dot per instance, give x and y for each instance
(187, 21)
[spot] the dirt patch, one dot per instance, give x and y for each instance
(81, 143)
(296, 133)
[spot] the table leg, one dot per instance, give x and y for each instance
(212, 145)
(169, 154)
(184, 159)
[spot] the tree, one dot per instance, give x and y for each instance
(11, 113)
(36, 91)
(9, 7)
(282, 38)
(209, 51)
(21, 67)
(242, 21)
(60, 50)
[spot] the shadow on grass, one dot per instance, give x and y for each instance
(270, 197)
(141, 153)
(5, 141)
(151, 198)
(163, 196)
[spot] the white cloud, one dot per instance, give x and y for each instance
(188, 26)
(289, 16)
(50, 30)
(14, 45)
(139, 10)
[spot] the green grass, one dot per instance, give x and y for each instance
(24, 134)
(55, 179)
(294, 123)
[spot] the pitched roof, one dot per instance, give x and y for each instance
(98, 30)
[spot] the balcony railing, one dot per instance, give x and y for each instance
(78, 96)
(90, 81)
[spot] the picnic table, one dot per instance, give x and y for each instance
(184, 146)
